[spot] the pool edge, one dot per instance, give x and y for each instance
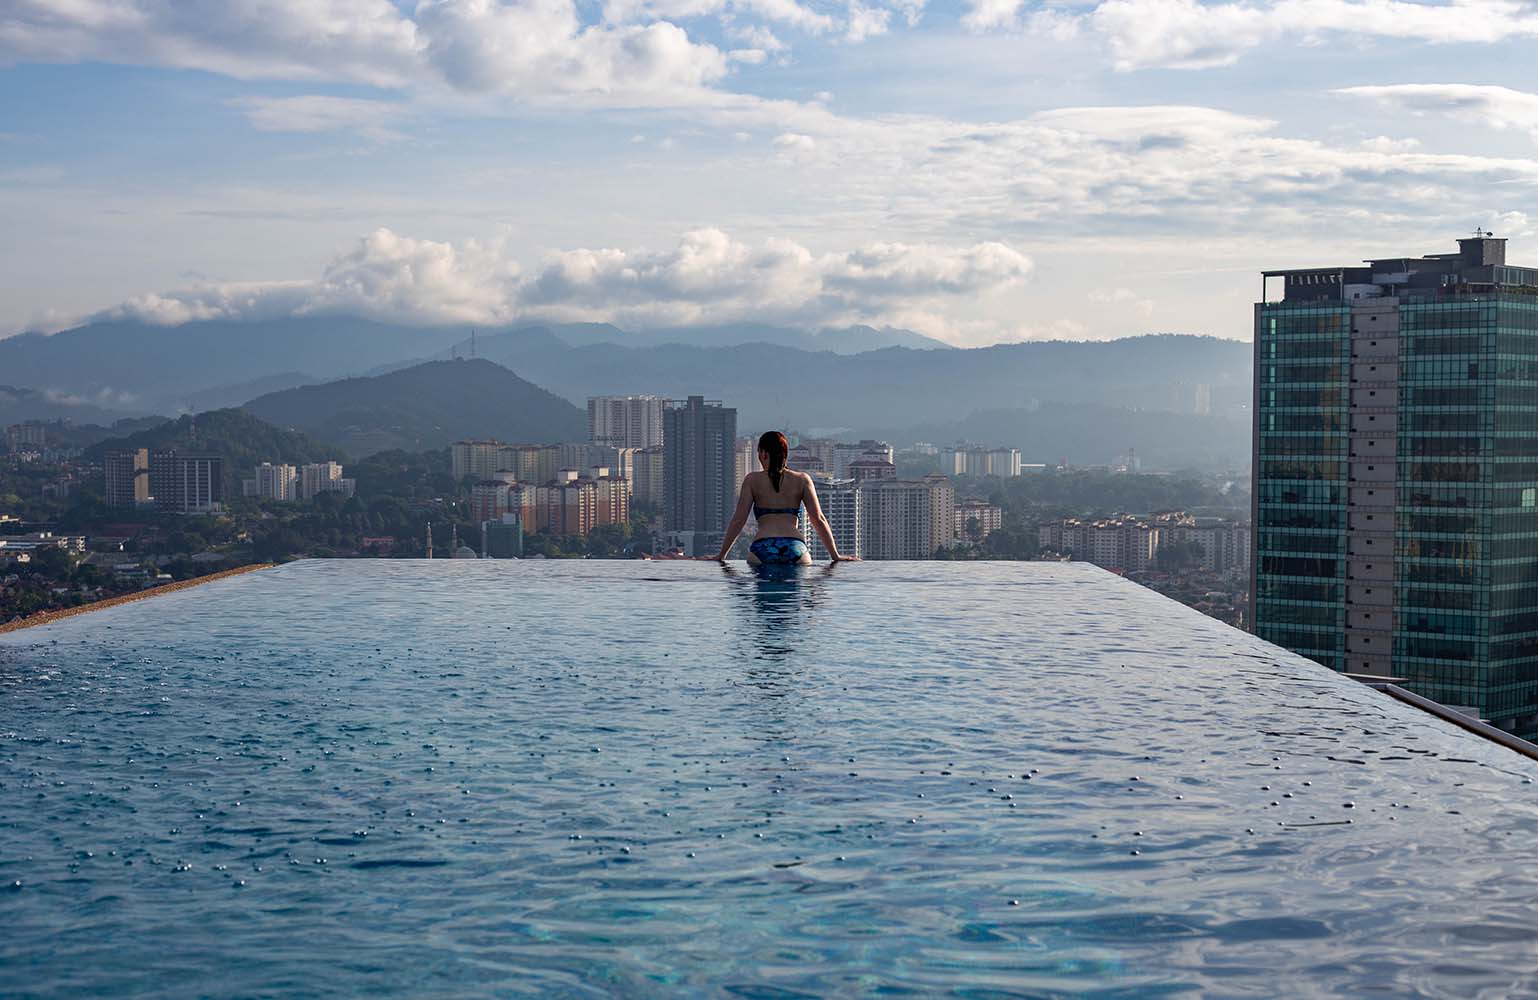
(49, 617)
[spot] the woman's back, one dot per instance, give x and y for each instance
(770, 501)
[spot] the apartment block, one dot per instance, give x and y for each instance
(127, 477)
(626, 421)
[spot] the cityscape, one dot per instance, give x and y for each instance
(726, 499)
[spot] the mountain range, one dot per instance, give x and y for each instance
(364, 386)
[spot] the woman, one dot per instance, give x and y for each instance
(775, 496)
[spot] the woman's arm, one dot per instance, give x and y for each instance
(739, 519)
(820, 523)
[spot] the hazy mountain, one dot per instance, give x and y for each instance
(222, 396)
(848, 340)
(426, 406)
(17, 404)
(1094, 434)
(151, 368)
(897, 387)
(243, 440)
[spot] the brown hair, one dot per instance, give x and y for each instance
(774, 443)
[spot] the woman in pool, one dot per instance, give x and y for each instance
(775, 496)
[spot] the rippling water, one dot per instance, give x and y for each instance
(587, 779)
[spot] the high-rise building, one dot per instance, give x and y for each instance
(187, 482)
(481, 458)
(906, 518)
(700, 483)
(273, 482)
(503, 537)
(650, 472)
(745, 459)
(28, 435)
(844, 454)
(976, 519)
(491, 498)
(1396, 474)
(626, 421)
(324, 477)
(128, 477)
(841, 503)
(971, 460)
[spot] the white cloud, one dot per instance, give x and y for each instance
(795, 143)
(864, 22)
(1497, 107)
(1193, 34)
(321, 113)
(1123, 296)
(528, 50)
(708, 276)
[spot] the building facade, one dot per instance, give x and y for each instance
(186, 482)
(479, 459)
(700, 484)
(906, 518)
(272, 482)
(649, 477)
(977, 519)
(841, 502)
(128, 477)
(970, 460)
(626, 421)
(1396, 474)
(324, 477)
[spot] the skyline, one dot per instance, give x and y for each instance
(979, 172)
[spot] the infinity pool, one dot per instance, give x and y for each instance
(492, 779)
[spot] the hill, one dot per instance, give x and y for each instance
(160, 366)
(424, 407)
(242, 439)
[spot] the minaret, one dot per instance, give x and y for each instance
(454, 540)
(429, 539)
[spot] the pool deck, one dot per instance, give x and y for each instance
(47, 617)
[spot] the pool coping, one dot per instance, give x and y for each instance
(48, 617)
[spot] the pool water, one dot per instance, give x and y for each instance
(493, 779)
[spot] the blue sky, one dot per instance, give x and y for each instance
(983, 171)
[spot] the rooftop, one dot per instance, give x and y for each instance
(428, 778)
(1478, 266)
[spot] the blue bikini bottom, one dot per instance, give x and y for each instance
(773, 551)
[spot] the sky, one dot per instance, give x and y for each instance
(982, 171)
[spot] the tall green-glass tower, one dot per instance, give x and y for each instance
(1396, 474)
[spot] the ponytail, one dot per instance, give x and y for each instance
(773, 443)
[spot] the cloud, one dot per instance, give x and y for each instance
(1496, 107)
(529, 50)
(1191, 34)
(707, 276)
(795, 143)
(320, 113)
(1123, 296)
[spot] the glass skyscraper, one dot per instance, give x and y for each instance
(1396, 474)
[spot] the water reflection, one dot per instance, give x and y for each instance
(782, 604)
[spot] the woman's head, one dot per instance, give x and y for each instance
(772, 449)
